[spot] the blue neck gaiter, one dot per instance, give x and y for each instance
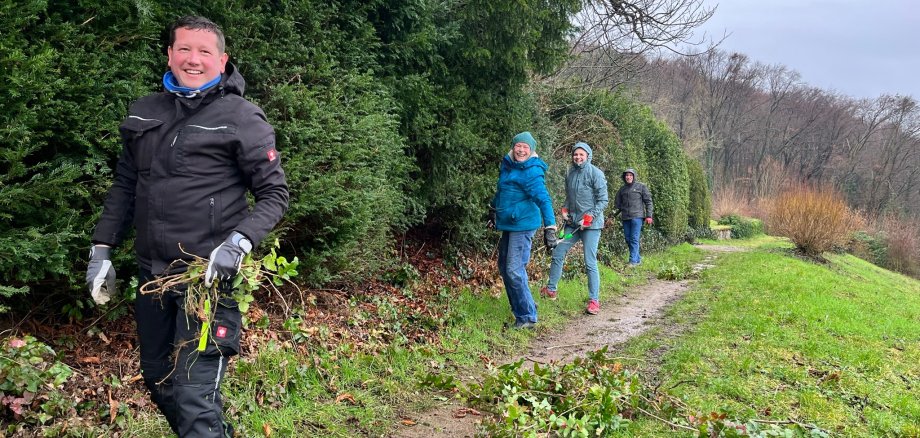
(171, 85)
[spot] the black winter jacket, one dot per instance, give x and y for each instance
(184, 171)
(633, 200)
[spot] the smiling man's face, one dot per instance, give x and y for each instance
(579, 156)
(194, 57)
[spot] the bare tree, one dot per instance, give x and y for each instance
(753, 126)
(616, 37)
(726, 111)
(893, 160)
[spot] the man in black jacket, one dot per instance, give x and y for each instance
(190, 155)
(634, 204)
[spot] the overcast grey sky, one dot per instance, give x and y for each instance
(860, 48)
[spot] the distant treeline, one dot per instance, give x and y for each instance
(759, 127)
(389, 115)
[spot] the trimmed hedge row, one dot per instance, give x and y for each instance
(389, 115)
(623, 134)
(700, 209)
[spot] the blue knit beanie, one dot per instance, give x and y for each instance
(525, 137)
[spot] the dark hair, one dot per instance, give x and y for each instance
(197, 23)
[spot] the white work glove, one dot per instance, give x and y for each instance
(100, 275)
(227, 258)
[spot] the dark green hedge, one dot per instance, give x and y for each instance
(389, 114)
(700, 208)
(624, 134)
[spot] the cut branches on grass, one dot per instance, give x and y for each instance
(593, 395)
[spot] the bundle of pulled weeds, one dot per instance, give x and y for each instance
(269, 272)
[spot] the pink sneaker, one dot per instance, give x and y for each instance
(550, 294)
(593, 307)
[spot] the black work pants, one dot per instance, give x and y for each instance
(183, 381)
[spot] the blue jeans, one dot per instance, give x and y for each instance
(590, 238)
(632, 230)
(513, 256)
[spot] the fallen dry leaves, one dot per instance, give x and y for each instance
(345, 397)
(463, 412)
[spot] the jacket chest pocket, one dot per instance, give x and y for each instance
(141, 136)
(584, 186)
(204, 150)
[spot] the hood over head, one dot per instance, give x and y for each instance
(632, 171)
(584, 146)
(232, 81)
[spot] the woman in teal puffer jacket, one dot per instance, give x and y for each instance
(522, 205)
(583, 212)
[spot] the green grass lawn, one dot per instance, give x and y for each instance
(775, 337)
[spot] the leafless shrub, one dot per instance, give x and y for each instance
(815, 219)
(902, 238)
(728, 202)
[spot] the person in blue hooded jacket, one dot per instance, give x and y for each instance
(522, 205)
(583, 215)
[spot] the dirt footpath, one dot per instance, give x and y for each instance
(619, 320)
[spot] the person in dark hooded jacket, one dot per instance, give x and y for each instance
(634, 205)
(190, 154)
(522, 204)
(583, 213)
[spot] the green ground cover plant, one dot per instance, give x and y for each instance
(30, 379)
(598, 396)
(776, 337)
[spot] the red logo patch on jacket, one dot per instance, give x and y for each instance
(221, 332)
(272, 154)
